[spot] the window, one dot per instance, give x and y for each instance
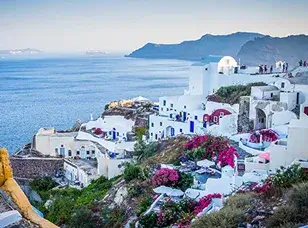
(161, 123)
(162, 109)
(118, 133)
(181, 130)
(175, 110)
(196, 117)
(272, 94)
(152, 124)
(69, 153)
(93, 151)
(184, 106)
(171, 105)
(222, 114)
(167, 109)
(88, 152)
(164, 102)
(151, 133)
(109, 132)
(155, 136)
(205, 68)
(61, 145)
(78, 152)
(282, 84)
(56, 150)
(215, 119)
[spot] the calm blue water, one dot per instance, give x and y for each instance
(56, 91)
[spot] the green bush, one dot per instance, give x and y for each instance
(132, 171)
(226, 217)
(143, 150)
(298, 196)
(286, 177)
(83, 218)
(242, 201)
(113, 218)
(106, 107)
(43, 184)
(282, 216)
(134, 190)
(139, 132)
(186, 180)
(148, 220)
(144, 205)
(61, 209)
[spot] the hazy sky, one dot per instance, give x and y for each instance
(124, 25)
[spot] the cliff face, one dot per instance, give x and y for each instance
(196, 49)
(268, 50)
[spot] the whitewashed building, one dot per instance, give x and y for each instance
(285, 151)
(188, 113)
(270, 107)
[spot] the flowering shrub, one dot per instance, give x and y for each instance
(268, 135)
(184, 222)
(211, 148)
(207, 146)
(98, 131)
(226, 157)
(165, 176)
(205, 202)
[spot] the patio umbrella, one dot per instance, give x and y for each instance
(265, 156)
(168, 191)
(205, 163)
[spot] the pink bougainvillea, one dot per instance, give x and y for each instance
(268, 135)
(213, 148)
(226, 157)
(205, 202)
(165, 176)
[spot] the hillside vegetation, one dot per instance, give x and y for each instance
(231, 94)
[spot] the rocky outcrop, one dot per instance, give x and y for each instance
(243, 122)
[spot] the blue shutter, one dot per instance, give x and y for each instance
(192, 126)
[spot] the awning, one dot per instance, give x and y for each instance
(265, 156)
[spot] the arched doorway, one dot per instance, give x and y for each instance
(260, 122)
(170, 131)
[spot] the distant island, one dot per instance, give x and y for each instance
(20, 51)
(194, 50)
(250, 48)
(96, 52)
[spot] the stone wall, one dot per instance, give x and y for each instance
(34, 167)
(244, 124)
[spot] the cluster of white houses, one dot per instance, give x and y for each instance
(86, 154)
(190, 114)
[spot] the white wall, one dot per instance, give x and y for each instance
(290, 98)
(111, 167)
(278, 156)
(288, 87)
(297, 139)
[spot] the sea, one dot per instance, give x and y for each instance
(57, 90)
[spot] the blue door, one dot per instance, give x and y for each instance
(170, 116)
(83, 153)
(62, 151)
(114, 134)
(192, 126)
(184, 116)
(172, 131)
(204, 124)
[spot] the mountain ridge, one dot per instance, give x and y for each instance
(194, 50)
